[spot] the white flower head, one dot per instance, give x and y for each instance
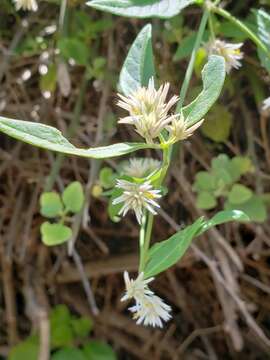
(230, 52)
(148, 109)
(141, 167)
(137, 197)
(30, 5)
(149, 309)
(266, 104)
(179, 129)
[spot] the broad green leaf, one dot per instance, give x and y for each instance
(186, 46)
(240, 165)
(61, 330)
(141, 8)
(27, 349)
(206, 200)
(107, 177)
(218, 124)
(263, 24)
(139, 66)
(73, 48)
(97, 350)
(167, 253)
(51, 204)
(213, 76)
(48, 137)
(55, 234)
(204, 181)
(69, 353)
(254, 208)
(239, 194)
(82, 326)
(73, 197)
(113, 210)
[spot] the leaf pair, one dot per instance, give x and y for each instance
(54, 206)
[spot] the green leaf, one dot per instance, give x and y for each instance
(61, 330)
(48, 137)
(73, 197)
(141, 8)
(239, 194)
(205, 200)
(55, 234)
(113, 210)
(218, 124)
(243, 164)
(254, 208)
(107, 177)
(51, 204)
(139, 66)
(263, 26)
(48, 81)
(186, 46)
(213, 76)
(73, 48)
(204, 181)
(27, 349)
(81, 326)
(167, 253)
(97, 350)
(69, 353)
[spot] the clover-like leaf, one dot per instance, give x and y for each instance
(55, 234)
(73, 197)
(50, 204)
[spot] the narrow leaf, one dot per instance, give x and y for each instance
(213, 76)
(139, 66)
(142, 8)
(263, 26)
(48, 137)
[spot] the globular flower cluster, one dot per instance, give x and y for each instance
(149, 113)
(149, 309)
(141, 167)
(137, 197)
(30, 5)
(230, 52)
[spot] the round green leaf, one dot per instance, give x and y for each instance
(82, 326)
(25, 350)
(55, 234)
(239, 194)
(69, 354)
(204, 181)
(97, 350)
(206, 200)
(51, 204)
(73, 197)
(107, 177)
(254, 208)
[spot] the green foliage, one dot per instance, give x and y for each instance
(47, 137)
(73, 48)
(141, 8)
(139, 66)
(66, 331)
(97, 350)
(48, 80)
(213, 76)
(218, 124)
(107, 177)
(52, 205)
(73, 197)
(164, 254)
(55, 234)
(263, 25)
(222, 181)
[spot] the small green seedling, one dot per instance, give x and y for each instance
(222, 181)
(56, 207)
(66, 332)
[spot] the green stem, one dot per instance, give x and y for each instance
(190, 68)
(241, 26)
(211, 27)
(146, 241)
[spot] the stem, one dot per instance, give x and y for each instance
(211, 27)
(146, 241)
(189, 72)
(241, 26)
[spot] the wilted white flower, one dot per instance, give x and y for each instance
(230, 52)
(179, 129)
(148, 110)
(266, 104)
(149, 309)
(137, 197)
(141, 167)
(30, 5)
